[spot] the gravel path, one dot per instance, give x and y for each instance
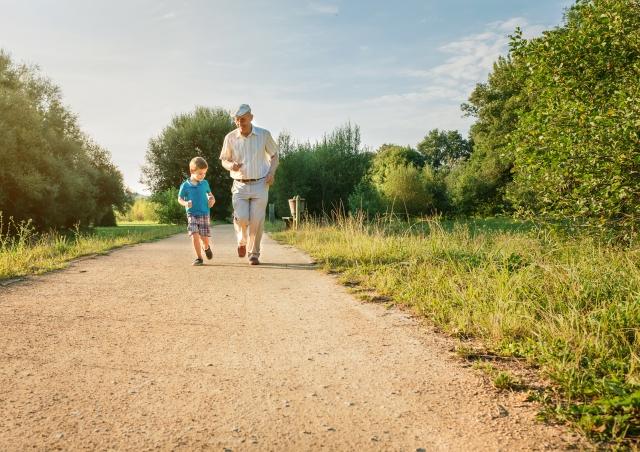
(138, 350)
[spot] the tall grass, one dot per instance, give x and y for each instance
(568, 305)
(23, 251)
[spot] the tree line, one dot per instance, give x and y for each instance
(51, 173)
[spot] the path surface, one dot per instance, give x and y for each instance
(138, 350)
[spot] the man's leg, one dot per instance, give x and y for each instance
(240, 217)
(256, 218)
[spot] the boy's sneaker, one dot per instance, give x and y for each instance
(208, 252)
(197, 262)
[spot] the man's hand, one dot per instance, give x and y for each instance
(236, 166)
(269, 179)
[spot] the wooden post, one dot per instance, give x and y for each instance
(297, 220)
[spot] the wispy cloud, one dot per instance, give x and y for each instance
(468, 60)
(323, 8)
(168, 16)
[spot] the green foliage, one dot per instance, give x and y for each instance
(324, 173)
(577, 145)
(168, 210)
(366, 198)
(444, 148)
(412, 191)
(390, 156)
(141, 210)
(199, 133)
(399, 182)
(478, 186)
(51, 172)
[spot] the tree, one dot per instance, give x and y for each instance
(444, 148)
(199, 133)
(390, 156)
(324, 173)
(479, 185)
(51, 173)
(399, 181)
(577, 147)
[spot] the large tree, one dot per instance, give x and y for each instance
(577, 147)
(479, 185)
(51, 173)
(444, 148)
(198, 133)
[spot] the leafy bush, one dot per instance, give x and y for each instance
(168, 210)
(324, 173)
(577, 145)
(142, 209)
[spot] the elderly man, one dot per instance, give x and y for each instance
(251, 157)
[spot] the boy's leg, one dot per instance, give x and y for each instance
(205, 233)
(195, 239)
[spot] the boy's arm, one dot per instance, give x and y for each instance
(184, 202)
(210, 197)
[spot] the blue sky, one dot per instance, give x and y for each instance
(396, 69)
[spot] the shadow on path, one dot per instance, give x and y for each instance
(269, 265)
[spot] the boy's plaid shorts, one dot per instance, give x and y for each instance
(199, 224)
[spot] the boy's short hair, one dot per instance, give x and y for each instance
(197, 163)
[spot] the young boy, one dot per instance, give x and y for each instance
(195, 195)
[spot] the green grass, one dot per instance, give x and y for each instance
(568, 306)
(26, 253)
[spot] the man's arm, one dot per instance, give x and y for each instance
(272, 150)
(271, 175)
(226, 156)
(230, 165)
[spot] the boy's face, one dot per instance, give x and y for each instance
(199, 174)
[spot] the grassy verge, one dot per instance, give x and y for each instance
(27, 253)
(567, 305)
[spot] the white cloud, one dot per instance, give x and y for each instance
(167, 16)
(323, 8)
(471, 57)
(468, 61)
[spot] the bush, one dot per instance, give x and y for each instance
(324, 173)
(576, 148)
(142, 209)
(168, 210)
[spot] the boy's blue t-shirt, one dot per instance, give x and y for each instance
(197, 194)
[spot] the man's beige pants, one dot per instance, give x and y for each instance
(249, 205)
